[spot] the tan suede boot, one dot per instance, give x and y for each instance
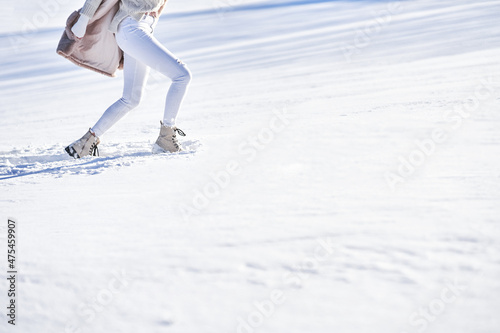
(87, 145)
(167, 140)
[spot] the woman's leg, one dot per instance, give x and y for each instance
(136, 40)
(135, 75)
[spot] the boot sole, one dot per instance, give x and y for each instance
(71, 152)
(159, 150)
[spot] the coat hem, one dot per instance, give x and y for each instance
(83, 65)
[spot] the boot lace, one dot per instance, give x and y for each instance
(174, 137)
(178, 130)
(94, 151)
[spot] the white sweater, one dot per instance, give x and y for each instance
(133, 8)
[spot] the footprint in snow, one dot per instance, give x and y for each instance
(53, 160)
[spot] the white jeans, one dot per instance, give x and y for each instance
(142, 51)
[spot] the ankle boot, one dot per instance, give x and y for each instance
(167, 140)
(86, 145)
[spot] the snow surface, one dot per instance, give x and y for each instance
(341, 173)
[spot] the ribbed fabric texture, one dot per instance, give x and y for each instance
(133, 8)
(120, 15)
(90, 7)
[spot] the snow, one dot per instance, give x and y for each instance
(340, 174)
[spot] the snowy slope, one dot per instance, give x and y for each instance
(341, 174)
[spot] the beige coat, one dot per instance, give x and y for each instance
(97, 50)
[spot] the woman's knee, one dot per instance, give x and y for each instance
(184, 75)
(133, 100)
